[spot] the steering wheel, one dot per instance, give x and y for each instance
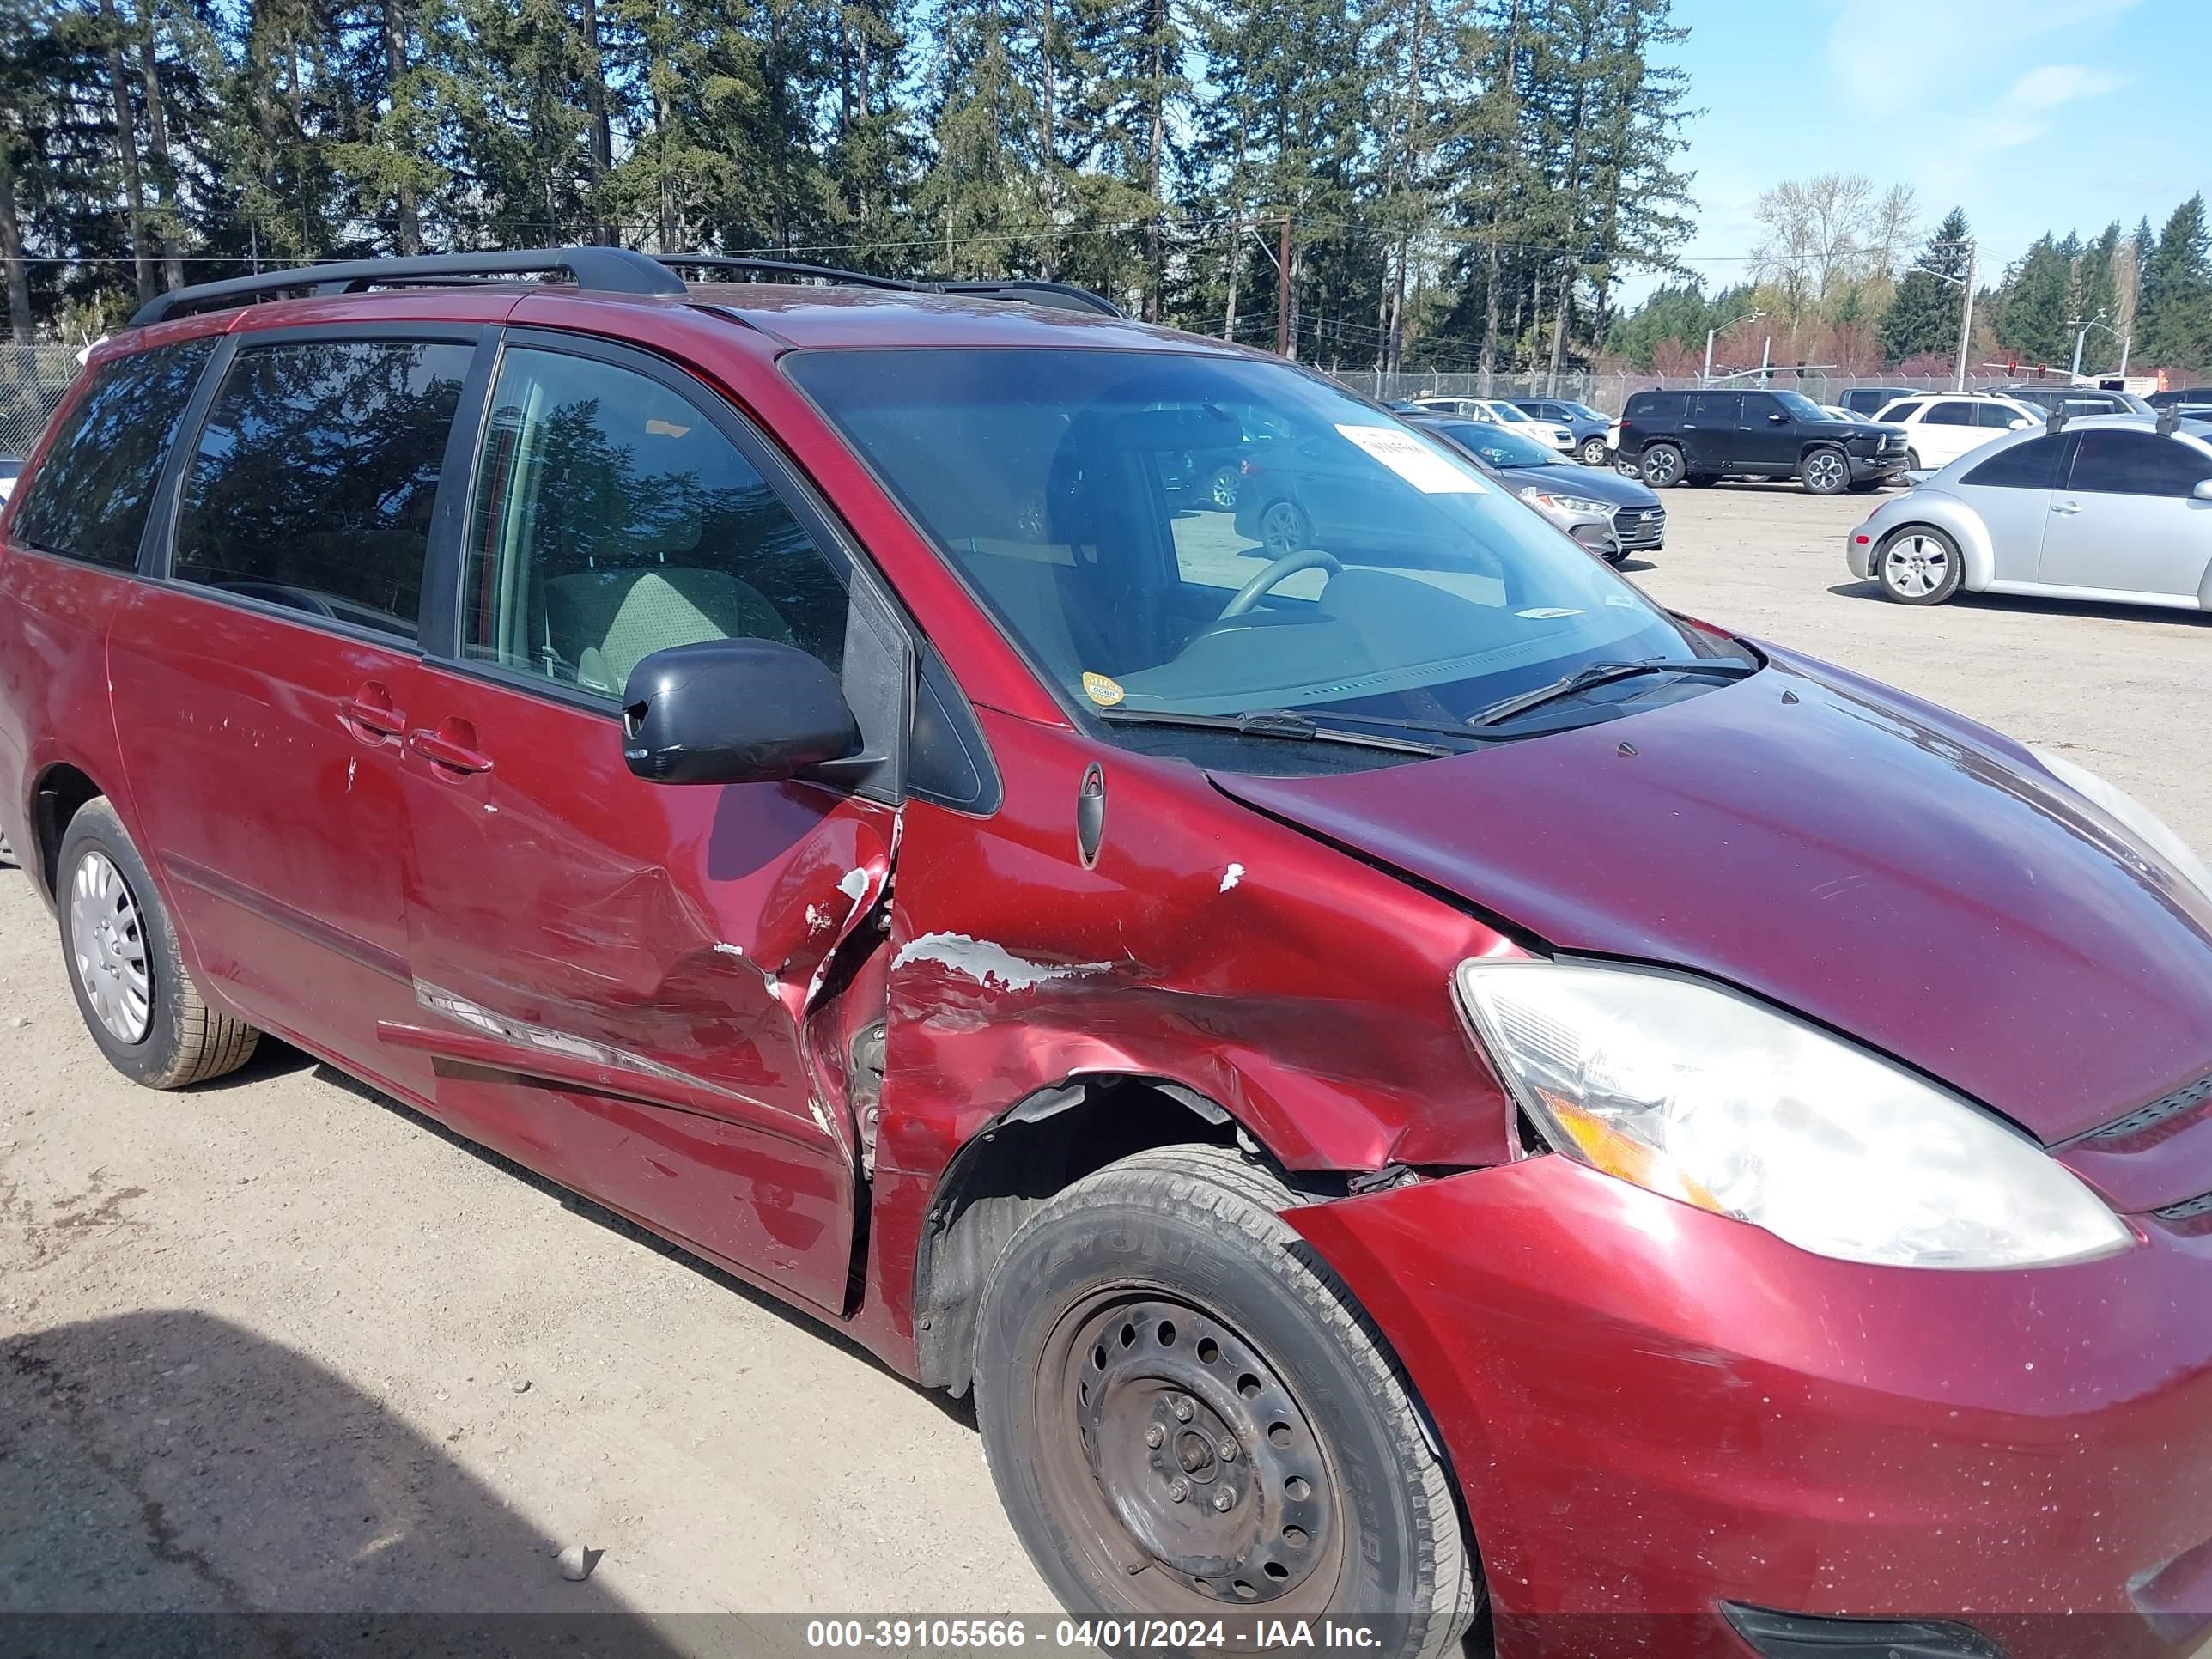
(1306, 558)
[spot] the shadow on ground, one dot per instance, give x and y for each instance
(2030, 604)
(172, 1484)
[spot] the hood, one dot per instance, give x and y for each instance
(1599, 483)
(1888, 869)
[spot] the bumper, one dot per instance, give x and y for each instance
(1864, 467)
(1640, 530)
(1651, 1411)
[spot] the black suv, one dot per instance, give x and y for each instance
(1702, 437)
(1871, 400)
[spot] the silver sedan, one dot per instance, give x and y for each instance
(2113, 508)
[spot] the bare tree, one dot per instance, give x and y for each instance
(1821, 235)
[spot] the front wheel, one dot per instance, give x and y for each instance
(1662, 466)
(1825, 472)
(1186, 1415)
(1593, 451)
(1920, 565)
(1284, 529)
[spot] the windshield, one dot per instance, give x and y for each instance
(1213, 536)
(1512, 414)
(1802, 406)
(1584, 411)
(1500, 445)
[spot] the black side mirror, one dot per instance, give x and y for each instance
(733, 711)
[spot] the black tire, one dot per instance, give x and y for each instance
(1912, 460)
(1702, 480)
(1824, 471)
(183, 1041)
(1339, 1507)
(1929, 574)
(1866, 486)
(1285, 528)
(1592, 453)
(1663, 466)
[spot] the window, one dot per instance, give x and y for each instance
(1717, 407)
(2122, 463)
(1996, 415)
(91, 496)
(1657, 405)
(2031, 466)
(613, 519)
(1951, 413)
(316, 476)
(1900, 413)
(1797, 405)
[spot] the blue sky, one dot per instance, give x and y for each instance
(2033, 115)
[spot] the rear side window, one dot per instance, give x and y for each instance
(2122, 463)
(91, 496)
(1902, 412)
(1951, 414)
(1657, 405)
(613, 519)
(2031, 466)
(316, 476)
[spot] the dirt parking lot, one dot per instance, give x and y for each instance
(280, 1344)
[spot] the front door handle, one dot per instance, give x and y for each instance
(370, 711)
(2069, 509)
(452, 746)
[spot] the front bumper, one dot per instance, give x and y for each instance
(1640, 529)
(1881, 464)
(1652, 1410)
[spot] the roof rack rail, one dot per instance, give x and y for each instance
(602, 270)
(1065, 295)
(745, 264)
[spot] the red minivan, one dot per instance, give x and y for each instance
(1404, 1076)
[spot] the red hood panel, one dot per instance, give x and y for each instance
(1884, 866)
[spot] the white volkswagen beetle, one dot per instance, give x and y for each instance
(2114, 507)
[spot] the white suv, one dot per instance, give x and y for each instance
(1498, 412)
(1942, 426)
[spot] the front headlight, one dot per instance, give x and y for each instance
(2132, 816)
(1575, 506)
(1698, 1093)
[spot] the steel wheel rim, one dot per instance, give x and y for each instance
(1259, 1523)
(107, 948)
(1916, 566)
(1659, 466)
(1824, 471)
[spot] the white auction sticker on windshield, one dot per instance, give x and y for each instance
(1414, 461)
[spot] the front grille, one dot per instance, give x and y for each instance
(1640, 526)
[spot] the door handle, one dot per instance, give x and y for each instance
(452, 746)
(2069, 509)
(370, 710)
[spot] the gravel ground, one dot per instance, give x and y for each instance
(281, 1344)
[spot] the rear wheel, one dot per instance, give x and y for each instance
(138, 1001)
(1221, 487)
(1825, 472)
(1593, 451)
(1920, 565)
(1284, 529)
(1912, 460)
(1186, 1415)
(1662, 466)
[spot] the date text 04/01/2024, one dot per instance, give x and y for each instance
(1248, 1634)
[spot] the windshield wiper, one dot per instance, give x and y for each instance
(1280, 723)
(1600, 673)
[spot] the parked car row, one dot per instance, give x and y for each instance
(1703, 435)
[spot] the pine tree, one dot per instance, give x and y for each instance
(2174, 314)
(1924, 318)
(2030, 311)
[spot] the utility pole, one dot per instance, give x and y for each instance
(1706, 378)
(1965, 321)
(1283, 288)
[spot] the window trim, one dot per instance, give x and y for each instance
(157, 551)
(2073, 457)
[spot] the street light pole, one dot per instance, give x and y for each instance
(1965, 321)
(1706, 378)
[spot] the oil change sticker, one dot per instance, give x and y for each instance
(1414, 461)
(1102, 691)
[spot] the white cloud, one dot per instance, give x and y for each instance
(1948, 40)
(2054, 84)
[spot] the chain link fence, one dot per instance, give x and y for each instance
(31, 381)
(1608, 392)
